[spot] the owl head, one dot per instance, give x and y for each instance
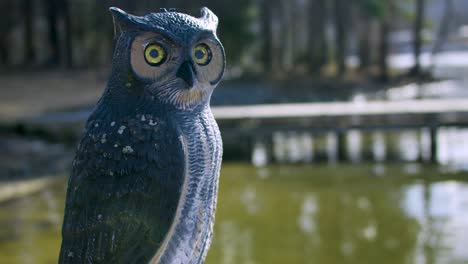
(172, 57)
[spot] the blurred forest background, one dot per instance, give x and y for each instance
(275, 38)
(291, 191)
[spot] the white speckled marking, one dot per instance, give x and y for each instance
(127, 150)
(121, 130)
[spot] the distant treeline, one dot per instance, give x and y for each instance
(270, 37)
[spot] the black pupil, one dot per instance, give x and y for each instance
(199, 54)
(154, 53)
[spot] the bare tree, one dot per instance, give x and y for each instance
(363, 28)
(444, 28)
(65, 13)
(287, 35)
(341, 8)
(52, 21)
(318, 52)
(417, 36)
(103, 35)
(384, 49)
(384, 41)
(28, 13)
(267, 38)
(5, 25)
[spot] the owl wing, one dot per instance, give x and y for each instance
(123, 192)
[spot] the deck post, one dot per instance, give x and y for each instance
(433, 149)
(341, 145)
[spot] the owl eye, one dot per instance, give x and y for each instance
(155, 54)
(202, 54)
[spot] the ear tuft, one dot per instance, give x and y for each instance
(121, 19)
(209, 17)
(117, 12)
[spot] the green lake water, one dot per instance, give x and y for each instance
(295, 214)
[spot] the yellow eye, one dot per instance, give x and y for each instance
(201, 54)
(155, 54)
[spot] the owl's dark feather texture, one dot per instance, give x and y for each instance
(144, 182)
(125, 184)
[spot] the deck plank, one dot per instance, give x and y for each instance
(342, 109)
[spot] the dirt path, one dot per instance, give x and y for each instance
(29, 95)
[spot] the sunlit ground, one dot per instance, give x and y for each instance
(295, 214)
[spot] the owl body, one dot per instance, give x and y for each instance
(144, 181)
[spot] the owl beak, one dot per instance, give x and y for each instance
(187, 73)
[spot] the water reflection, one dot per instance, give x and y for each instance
(295, 214)
(409, 146)
(354, 145)
(380, 146)
(453, 147)
(260, 154)
(340, 215)
(442, 208)
(306, 219)
(31, 227)
(237, 244)
(331, 147)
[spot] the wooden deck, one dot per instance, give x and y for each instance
(326, 116)
(244, 123)
(241, 124)
(361, 115)
(311, 110)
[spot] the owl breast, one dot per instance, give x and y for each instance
(190, 235)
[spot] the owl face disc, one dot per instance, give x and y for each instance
(176, 57)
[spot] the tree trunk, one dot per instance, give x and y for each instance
(5, 27)
(444, 29)
(341, 36)
(295, 24)
(4, 58)
(103, 37)
(317, 36)
(287, 42)
(65, 8)
(364, 40)
(417, 35)
(267, 30)
(383, 50)
(52, 20)
(28, 13)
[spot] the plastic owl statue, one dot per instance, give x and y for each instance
(144, 182)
